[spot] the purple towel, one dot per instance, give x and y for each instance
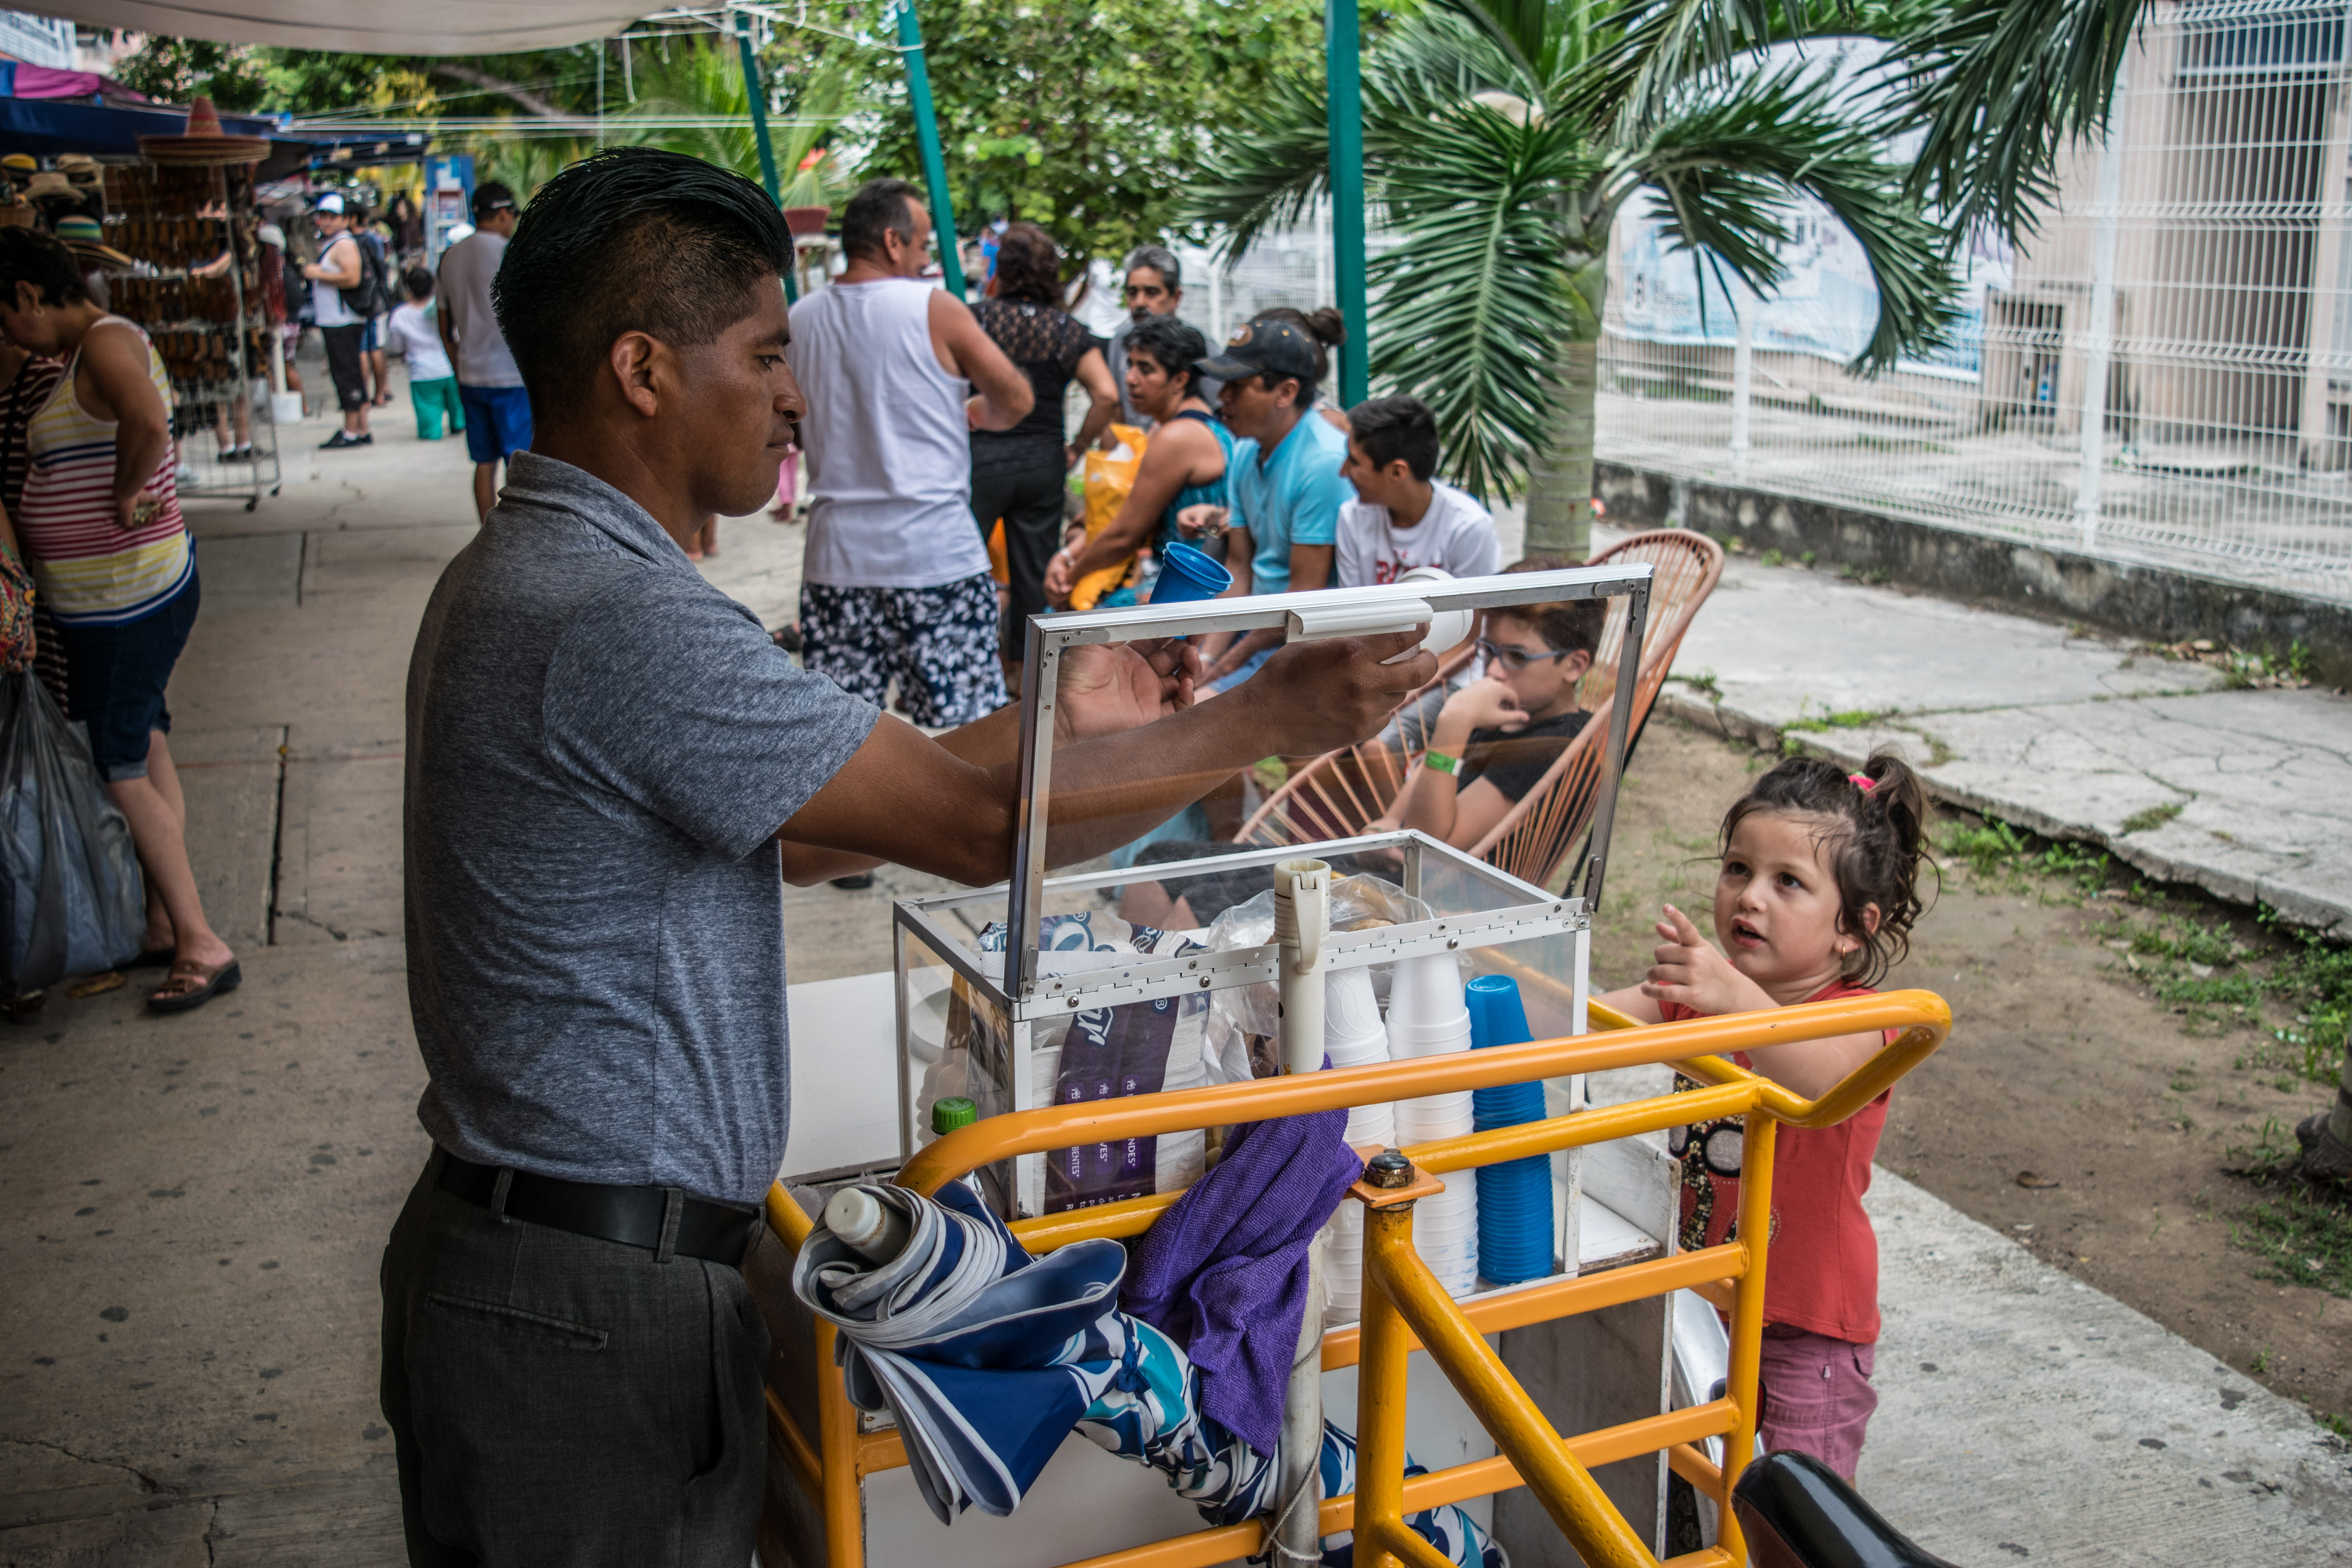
(1223, 1272)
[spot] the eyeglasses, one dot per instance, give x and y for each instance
(1517, 658)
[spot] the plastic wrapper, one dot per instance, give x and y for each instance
(1103, 1053)
(1110, 476)
(70, 898)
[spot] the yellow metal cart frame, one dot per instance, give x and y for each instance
(1404, 1307)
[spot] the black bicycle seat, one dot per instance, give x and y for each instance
(1798, 1513)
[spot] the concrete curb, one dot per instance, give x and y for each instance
(2197, 854)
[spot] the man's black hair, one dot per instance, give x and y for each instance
(1172, 345)
(489, 196)
(879, 207)
(632, 239)
(1387, 428)
(31, 256)
(418, 282)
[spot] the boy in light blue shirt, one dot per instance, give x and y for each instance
(1284, 479)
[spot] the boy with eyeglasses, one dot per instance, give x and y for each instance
(1495, 738)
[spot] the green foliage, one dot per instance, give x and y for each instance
(1501, 139)
(2304, 1235)
(1997, 851)
(2153, 817)
(1084, 116)
(703, 78)
(2003, 87)
(180, 69)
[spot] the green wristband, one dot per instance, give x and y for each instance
(1438, 762)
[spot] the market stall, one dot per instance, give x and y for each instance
(195, 288)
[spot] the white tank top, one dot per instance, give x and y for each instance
(888, 446)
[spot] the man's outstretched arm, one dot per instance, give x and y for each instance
(904, 797)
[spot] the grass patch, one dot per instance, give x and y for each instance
(1704, 683)
(2153, 817)
(1999, 851)
(2303, 1236)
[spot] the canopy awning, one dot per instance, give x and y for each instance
(53, 125)
(368, 26)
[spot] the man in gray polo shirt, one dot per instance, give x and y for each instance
(612, 772)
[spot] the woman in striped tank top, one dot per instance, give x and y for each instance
(100, 520)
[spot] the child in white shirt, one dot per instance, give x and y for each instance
(1401, 517)
(432, 385)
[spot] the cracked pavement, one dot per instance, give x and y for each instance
(2247, 794)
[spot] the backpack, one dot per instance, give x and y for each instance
(372, 296)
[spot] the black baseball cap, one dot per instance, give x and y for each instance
(1257, 348)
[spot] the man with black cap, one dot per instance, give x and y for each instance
(489, 386)
(1284, 479)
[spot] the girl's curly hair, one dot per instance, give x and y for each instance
(1877, 836)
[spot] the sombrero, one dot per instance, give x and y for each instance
(202, 142)
(49, 182)
(83, 237)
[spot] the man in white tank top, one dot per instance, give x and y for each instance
(894, 583)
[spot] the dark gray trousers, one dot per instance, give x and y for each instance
(560, 1400)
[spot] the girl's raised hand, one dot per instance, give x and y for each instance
(1690, 971)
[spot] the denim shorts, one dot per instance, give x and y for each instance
(498, 421)
(115, 676)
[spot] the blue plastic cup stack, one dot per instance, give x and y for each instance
(1515, 1220)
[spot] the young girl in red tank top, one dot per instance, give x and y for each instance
(1815, 900)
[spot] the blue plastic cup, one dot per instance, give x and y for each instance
(1186, 573)
(1498, 1017)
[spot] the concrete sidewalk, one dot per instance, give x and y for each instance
(2245, 792)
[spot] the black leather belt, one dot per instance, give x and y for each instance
(630, 1216)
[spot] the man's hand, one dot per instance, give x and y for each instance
(1108, 687)
(1202, 519)
(1319, 696)
(1689, 969)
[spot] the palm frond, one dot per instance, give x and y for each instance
(1265, 172)
(1727, 162)
(1476, 293)
(2003, 85)
(1650, 51)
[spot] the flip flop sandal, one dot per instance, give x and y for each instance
(217, 982)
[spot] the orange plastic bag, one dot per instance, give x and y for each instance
(1110, 477)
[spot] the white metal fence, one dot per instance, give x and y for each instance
(2188, 301)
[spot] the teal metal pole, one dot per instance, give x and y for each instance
(926, 132)
(758, 96)
(1344, 92)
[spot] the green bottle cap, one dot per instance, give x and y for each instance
(948, 1114)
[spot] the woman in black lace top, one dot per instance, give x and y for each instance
(1019, 474)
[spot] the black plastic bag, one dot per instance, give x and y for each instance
(71, 898)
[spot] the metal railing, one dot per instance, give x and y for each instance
(1404, 1307)
(2161, 371)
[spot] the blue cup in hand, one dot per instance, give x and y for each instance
(1186, 573)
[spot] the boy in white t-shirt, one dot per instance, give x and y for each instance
(1401, 517)
(432, 383)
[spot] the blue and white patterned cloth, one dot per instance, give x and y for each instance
(988, 1358)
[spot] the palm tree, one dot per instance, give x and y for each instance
(1502, 138)
(705, 82)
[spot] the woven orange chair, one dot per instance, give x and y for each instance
(1341, 793)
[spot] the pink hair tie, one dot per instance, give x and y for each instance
(1863, 782)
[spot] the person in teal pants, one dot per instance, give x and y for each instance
(432, 383)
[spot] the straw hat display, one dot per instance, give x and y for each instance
(49, 182)
(203, 142)
(85, 238)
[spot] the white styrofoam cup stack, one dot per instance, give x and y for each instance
(1428, 1017)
